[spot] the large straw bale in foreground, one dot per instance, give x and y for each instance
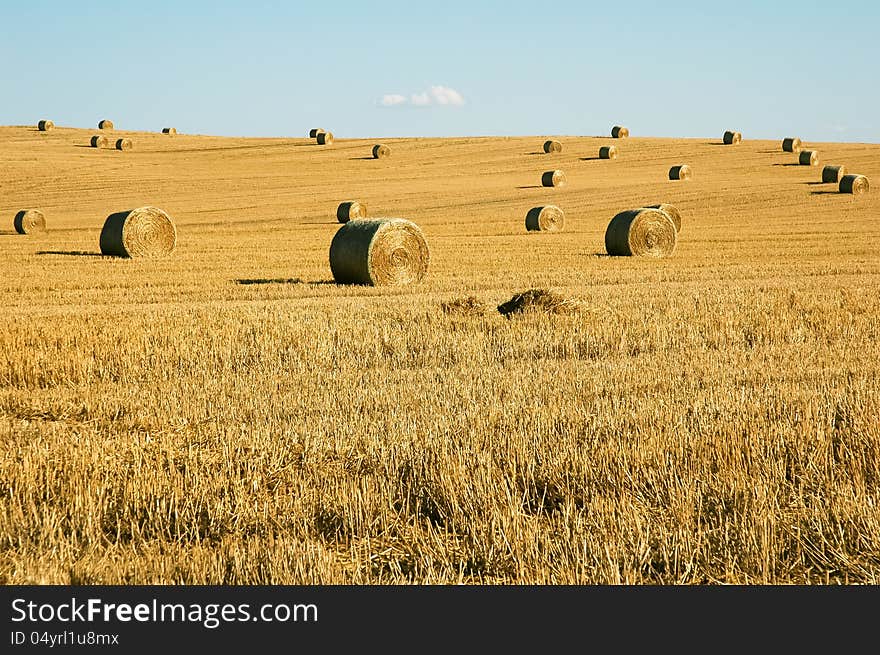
(642, 232)
(732, 138)
(548, 218)
(854, 184)
(671, 211)
(350, 210)
(680, 172)
(147, 232)
(45, 126)
(29, 221)
(791, 144)
(619, 132)
(379, 252)
(833, 173)
(553, 178)
(552, 146)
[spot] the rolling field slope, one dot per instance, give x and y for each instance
(230, 415)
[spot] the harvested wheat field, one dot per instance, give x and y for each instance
(230, 415)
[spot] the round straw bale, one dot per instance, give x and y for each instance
(552, 146)
(833, 173)
(791, 144)
(169, 130)
(29, 221)
(608, 152)
(548, 218)
(808, 158)
(105, 125)
(325, 138)
(123, 144)
(643, 232)
(854, 184)
(553, 178)
(380, 151)
(619, 132)
(379, 252)
(99, 141)
(314, 132)
(671, 211)
(680, 172)
(146, 232)
(732, 138)
(45, 126)
(350, 210)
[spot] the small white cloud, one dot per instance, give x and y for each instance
(443, 95)
(392, 99)
(436, 95)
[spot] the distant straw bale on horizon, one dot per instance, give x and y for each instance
(324, 138)
(145, 232)
(619, 132)
(833, 174)
(169, 130)
(732, 138)
(350, 210)
(553, 179)
(551, 146)
(680, 172)
(854, 184)
(29, 221)
(548, 218)
(314, 132)
(644, 232)
(45, 125)
(105, 124)
(379, 252)
(791, 144)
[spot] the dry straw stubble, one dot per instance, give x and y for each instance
(833, 174)
(552, 145)
(105, 124)
(145, 232)
(854, 184)
(553, 178)
(464, 306)
(608, 152)
(324, 138)
(381, 151)
(350, 210)
(99, 141)
(123, 144)
(732, 138)
(45, 126)
(379, 252)
(619, 132)
(30, 221)
(539, 301)
(808, 158)
(548, 218)
(644, 232)
(791, 144)
(680, 172)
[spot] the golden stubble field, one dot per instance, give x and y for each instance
(229, 415)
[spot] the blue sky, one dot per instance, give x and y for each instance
(682, 69)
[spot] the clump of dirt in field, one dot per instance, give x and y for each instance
(539, 301)
(465, 306)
